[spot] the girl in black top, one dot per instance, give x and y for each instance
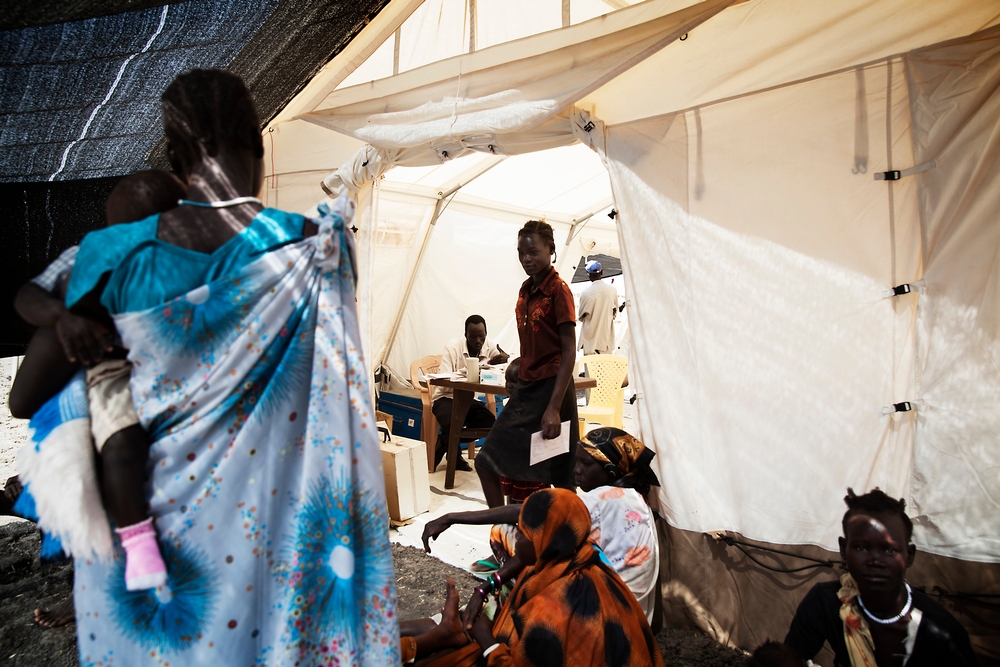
(871, 617)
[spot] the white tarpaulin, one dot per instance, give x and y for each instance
(956, 467)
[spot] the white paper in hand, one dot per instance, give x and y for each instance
(543, 450)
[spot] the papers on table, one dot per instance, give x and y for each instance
(445, 376)
(542, 449)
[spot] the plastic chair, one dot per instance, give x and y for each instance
(608, 398)
(428, 422)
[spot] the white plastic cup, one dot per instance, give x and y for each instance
(472, 369)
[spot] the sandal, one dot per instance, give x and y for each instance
(485, 565)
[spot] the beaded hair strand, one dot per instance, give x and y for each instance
(544, 231)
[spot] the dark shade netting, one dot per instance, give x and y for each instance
(39, 221)
(26, 13)
(612, 266)
(80, 101)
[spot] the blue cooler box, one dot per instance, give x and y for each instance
(406, 409)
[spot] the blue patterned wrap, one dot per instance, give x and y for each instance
(265, 477)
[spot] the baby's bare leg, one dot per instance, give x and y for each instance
(123, 471)
(43, 373)
(124, 453)
(123, 466)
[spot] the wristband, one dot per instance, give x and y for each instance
(482, 591)
(492, 648)
(413, 650)
(497, 581)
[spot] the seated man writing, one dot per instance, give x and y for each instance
(872, 616)
(475, 345)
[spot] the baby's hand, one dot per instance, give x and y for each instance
(84, 340)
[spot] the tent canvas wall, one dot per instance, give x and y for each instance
(760, 251)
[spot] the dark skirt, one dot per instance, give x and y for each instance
(507, 449)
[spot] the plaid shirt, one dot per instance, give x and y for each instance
(57, 270)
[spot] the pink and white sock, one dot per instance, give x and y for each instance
(144, 567)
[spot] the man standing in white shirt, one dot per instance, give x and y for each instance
(475, 345)
(598, 308)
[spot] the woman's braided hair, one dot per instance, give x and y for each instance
(876, 502)
(208, 110)
(544, 231)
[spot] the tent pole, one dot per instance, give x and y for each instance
(578, 225)
(357, 51)
(439, 206)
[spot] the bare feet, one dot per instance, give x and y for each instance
(61, 614)
(12, 489)
(9, 495)
(450, 627)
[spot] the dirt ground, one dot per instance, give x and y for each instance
(419, 580)
(26, 584)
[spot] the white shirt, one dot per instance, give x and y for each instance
(622, 524)
(453, 359)
(598, 307)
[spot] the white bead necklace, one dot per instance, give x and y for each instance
(901, 614)
(220, 204)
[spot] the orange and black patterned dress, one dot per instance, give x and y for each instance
(568, 609)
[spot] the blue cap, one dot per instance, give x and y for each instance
(593, 266)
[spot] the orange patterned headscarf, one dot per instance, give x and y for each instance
(568, 608)
(569, 595)
(558, 525)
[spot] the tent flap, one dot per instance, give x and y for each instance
(474, 96)
(956, 470)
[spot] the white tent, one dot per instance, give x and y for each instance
(778, 167)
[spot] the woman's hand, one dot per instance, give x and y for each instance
(473, 610)
(433, 529)
(551, 426)
(84, 340)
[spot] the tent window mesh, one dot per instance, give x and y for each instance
(396, 231)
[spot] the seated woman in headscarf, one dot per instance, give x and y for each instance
(568, 607)
(613, 471)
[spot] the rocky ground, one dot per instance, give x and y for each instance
(26, 584)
